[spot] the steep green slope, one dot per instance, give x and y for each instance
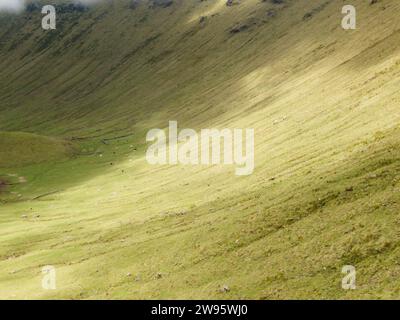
(19, 149)
(324, 106)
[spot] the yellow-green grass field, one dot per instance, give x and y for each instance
(77, 192)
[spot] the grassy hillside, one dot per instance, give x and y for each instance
(325, 192)
(19, 149)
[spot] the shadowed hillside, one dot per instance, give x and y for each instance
(324, 104)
